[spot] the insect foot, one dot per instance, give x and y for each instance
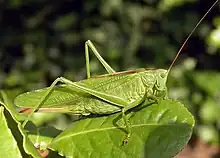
(125, 141)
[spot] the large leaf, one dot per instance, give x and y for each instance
(24, 144)
(159, 130)
(8, 146)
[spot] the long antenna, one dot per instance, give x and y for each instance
(181, 48)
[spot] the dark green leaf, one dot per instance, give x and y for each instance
(25, 145)
(9, 147)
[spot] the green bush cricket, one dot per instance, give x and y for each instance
(104, 94)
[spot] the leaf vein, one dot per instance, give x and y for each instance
(105, 129)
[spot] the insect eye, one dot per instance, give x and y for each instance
(162, 75)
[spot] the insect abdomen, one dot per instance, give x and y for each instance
(127, 87)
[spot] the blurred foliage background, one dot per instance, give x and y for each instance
(42, 40)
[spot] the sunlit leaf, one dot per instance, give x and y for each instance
(160, 130)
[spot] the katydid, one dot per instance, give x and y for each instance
(104, 94)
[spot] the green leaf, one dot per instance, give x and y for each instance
(209, 111)
(212, 88)
(160, 130)
(8, 146)
(208, 133)
(41, 118)
(24, 144)
(42, 136)
(213, 38)
(64, 22)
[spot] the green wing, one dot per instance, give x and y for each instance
(62, 99)
(65, 99)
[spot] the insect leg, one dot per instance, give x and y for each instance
(127, 125)
(43, 99)
(89, 44)
(104, 96)
(126, 121)
(107, 97)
